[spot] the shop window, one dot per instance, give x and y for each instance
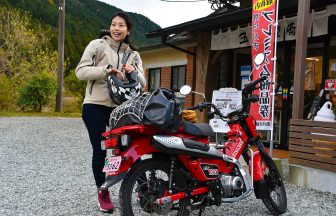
(313, 74)
(178, 77)
(332, 59)
(154, 78)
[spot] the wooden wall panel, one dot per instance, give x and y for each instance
(313, 144)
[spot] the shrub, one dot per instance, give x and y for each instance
(8, 94)
(72, 104)
(38, 92)
(75, 86)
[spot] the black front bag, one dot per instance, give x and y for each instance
(158, 108)
(163, 111)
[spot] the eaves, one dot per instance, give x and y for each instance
(235, 17)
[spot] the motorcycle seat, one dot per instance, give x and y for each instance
(191, 144)
(198, 129)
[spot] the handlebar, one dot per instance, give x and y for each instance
(193, 107)
(204, 105)
(249, 87)
(200, 106)
(253, 98)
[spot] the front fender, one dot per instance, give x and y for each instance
(259, 183)
(258, 173)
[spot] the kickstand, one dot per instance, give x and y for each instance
(201, 211)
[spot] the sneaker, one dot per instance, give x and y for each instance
(104, 201)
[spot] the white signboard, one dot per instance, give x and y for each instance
(227, 101)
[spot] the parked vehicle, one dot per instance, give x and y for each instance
(179, 173)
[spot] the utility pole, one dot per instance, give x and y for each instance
(60, 67)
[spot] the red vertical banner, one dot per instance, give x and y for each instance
(263, 38)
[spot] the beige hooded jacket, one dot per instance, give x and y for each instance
(92, 67)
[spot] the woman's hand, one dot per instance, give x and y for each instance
(116, 72)
(128, 68)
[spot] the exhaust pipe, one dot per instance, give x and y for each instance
(180, 195)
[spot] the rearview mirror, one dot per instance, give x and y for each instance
(259, 59)
(185, 90)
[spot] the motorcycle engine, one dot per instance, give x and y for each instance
(231, 185)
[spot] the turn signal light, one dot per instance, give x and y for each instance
(125, 140)
(110, 142)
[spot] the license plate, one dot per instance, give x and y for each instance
(112, 164)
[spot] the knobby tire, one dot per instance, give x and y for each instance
(274, 181)
(131, 179)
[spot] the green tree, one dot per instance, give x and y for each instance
(38, 92)
(24, 52)
(7, 94)
(75, 86)
(84, 20)
(24, 49)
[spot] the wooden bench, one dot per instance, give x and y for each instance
(313, 144)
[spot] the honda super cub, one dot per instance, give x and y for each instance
(179, 173)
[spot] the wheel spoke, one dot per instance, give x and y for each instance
(146, 183)
(276, 202)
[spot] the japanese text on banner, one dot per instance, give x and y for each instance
(263, 37)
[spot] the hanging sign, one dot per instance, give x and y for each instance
(227, 100)
(330, 84)
(263, 37)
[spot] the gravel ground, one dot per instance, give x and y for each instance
(45, 169)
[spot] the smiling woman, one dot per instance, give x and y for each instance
(111, 57)
(119, 29)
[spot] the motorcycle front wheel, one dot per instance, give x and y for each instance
(146, 182)
(276, 199)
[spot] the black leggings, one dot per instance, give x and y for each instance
(96, 118)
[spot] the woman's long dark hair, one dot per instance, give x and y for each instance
(129, 28)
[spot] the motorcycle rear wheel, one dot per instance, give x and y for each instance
(276, 200)
(144, 183)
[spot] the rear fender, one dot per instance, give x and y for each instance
(130, 157)
(112, 180)
(139, 147)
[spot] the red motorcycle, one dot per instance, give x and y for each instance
(178, 173)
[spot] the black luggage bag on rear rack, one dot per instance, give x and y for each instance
(158, 108)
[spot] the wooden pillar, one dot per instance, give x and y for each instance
(202, 61)
(300, 58)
